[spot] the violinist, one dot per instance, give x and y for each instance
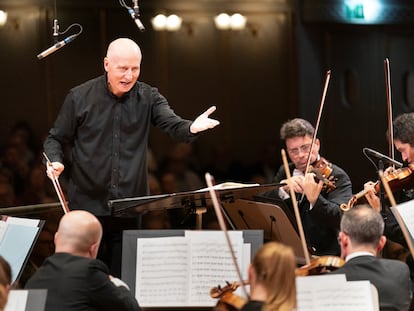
(361, 239)
(318, 205)
(272, 279)
(403, 134)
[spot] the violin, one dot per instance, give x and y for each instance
(323, 172)
(399, 179)
(396, 180)
(228, 301)
(320, 265)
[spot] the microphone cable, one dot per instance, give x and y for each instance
(57, 45)
(134, 12)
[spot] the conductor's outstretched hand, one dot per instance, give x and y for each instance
(203, 122)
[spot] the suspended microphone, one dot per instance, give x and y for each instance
(380, 156)
(135, 16)
(57, 46)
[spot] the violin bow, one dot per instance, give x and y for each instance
(220, 217)
(397, 212)
(57, 187)
(325, 89)
(389, 108)
(295, 207)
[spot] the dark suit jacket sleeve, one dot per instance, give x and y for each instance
(326, 209)
(106, 295)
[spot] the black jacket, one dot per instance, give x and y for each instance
(79, 283)
(321, 223)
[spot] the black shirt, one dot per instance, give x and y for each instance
(109, 137)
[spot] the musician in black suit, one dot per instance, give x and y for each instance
(73, 277)
(361, 239)
(318, 204)
(403, 137)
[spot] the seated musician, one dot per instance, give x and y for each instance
(361, 239)
(318, 204)
(73, 277)
(403, 136)
(272, 279)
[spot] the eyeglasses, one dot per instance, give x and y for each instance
(303, 148)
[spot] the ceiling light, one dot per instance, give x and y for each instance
(3, 17)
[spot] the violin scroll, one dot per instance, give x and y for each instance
(347, 206)
(323, 171)
(228, 301)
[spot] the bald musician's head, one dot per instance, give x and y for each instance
(122, 65)
(362, 229)
(79, 233)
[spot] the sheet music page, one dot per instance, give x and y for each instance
(17, 300)
(3, 228)
(324, 293)
(305, 286)
(228, 185)
(23, 221)
(163, 270)
(406, 210)
(212, 263)
(16, 245)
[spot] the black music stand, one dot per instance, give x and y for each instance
(196, 201)
(268, 217)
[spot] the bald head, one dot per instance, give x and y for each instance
(79, 233)
(122, 47)
(122, 65)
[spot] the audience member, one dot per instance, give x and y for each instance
(12, 161)
(263, 172)
(23, 138)
(177, 169)
(39, 189)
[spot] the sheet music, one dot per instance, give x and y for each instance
(16, 244)
(3, 228)
(406, 210)
(212, 263)
(17, 300)
(228, 185)
(23, 221)
(180, 271)
(333, 293)
(162, 271)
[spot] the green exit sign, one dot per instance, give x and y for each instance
(355, 11)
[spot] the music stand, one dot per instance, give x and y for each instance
(197, 201)
(268, 217)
